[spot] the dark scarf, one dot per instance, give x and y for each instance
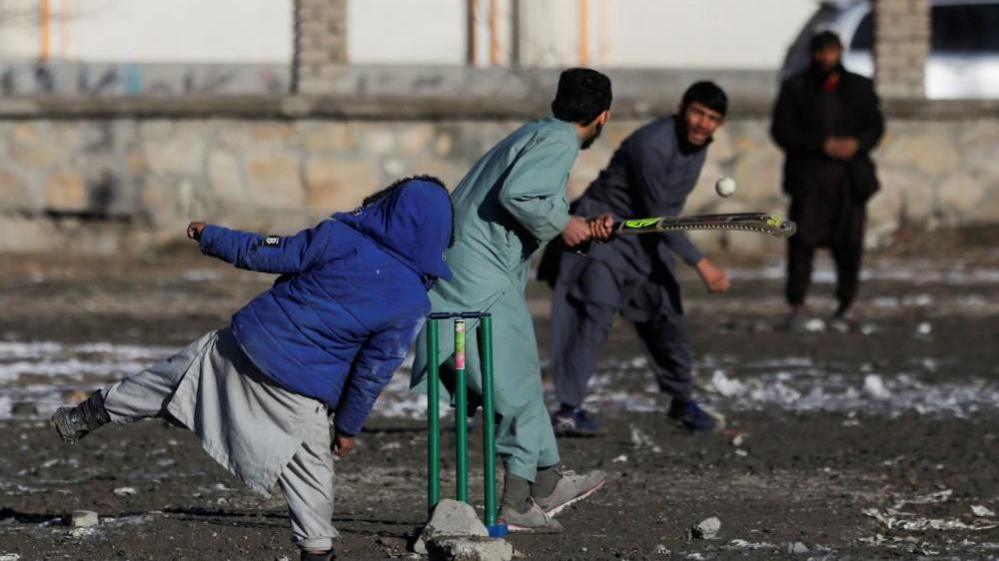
(825, 80)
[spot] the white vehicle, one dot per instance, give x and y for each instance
(964, 53)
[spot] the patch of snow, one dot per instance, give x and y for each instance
(875, 387)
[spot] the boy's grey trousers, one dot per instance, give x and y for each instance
(260, 432)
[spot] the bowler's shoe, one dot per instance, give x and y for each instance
(325, 556)
(73, 423)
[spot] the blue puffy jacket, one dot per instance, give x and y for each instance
(351, 299)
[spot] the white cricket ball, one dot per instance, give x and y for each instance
(725, 187)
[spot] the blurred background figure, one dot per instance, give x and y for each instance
(827, 120)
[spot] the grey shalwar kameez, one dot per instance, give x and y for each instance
(259, 432)
(651, 174)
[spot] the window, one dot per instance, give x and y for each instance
(863, 38)
(964, 28)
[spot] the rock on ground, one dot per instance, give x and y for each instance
(451, 518)
(470, 549)
(84, 519)
(706, 529)
(797, 548)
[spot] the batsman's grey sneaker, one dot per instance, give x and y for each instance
(570, 489)
(73, 423)
(534, 520)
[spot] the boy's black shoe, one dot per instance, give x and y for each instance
(327, 556)
(73, 423)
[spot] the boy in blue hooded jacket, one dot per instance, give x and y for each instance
(327, 337)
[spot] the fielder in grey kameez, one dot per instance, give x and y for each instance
(651, 174)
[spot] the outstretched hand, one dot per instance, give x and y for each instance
(194, 230)
(715, 279)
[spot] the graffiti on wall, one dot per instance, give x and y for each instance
(118, 79)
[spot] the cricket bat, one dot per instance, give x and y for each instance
(760, 222)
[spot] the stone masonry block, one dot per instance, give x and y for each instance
(275, 180)
(313, 27)
(15, 194)
(330, 137)
(338, 184)
(36, 157)
(311, 57)
(65, 191)
(886, 9)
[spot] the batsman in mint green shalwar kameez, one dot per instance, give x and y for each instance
(508, 206)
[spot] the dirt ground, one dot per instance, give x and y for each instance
(871, 444)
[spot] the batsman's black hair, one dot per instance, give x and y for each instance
(708, 94)
(823, 40)
(375, 197)
(582, 95)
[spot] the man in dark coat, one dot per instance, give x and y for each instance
(651, 174)
(827, 121)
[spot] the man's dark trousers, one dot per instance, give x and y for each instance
(847, 258)
(828, 216)
(587, 296)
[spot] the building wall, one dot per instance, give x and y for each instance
(665, 34)
(622, 33)
(174, 31)
(406, 32)
(94, 185)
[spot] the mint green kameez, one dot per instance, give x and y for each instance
(509, 205)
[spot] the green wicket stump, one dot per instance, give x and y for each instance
(461, 411)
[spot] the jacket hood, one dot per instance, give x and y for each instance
(412, 222)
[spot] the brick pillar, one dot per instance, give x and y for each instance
(901, 46)
(320, 45)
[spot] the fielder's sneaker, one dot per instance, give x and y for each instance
(326, 556)
(693, 417)
(533, 520)
(844, 320)
(575, 422)
(73, 423)
(570, 489)
(796, 320)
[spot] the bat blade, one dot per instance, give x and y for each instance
(760, 222)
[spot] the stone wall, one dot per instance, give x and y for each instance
(320, 44)
(118, 183)
(901, 46)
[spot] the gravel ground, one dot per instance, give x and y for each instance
(872, 444)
